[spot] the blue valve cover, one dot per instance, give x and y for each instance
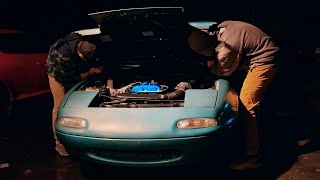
(146, 87)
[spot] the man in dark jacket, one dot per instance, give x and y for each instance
(70, 60)
(235, 46)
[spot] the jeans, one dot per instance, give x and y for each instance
(252, 92)
(58, 93)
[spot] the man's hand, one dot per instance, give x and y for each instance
(210, 63)
(95, 70)
(92, 71)
(183, 86)
(100, 68)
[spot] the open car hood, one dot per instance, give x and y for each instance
(101, 17)
(139, 24)
(143, 44)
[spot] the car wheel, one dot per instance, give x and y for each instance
(5, 106)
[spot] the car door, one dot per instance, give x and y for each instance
(22, 65)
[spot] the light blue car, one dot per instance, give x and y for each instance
(149, 114)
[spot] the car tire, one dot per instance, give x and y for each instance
(5, 107)
(4, 103)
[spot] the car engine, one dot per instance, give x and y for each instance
(138, 94)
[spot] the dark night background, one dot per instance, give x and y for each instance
(287, 21)
(294, 25)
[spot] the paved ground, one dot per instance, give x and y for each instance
(291, 144)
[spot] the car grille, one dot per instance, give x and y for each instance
(139, 156)
(134, 105)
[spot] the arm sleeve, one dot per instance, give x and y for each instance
(227, 60)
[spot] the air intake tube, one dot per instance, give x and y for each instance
(173, 95)
(179, 92)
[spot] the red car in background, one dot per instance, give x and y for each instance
(22, 68)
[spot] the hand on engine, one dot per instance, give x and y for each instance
(95, 70)
(183, 86)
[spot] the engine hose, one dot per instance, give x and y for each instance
(173, 95)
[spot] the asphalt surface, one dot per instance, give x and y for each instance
(290, 142)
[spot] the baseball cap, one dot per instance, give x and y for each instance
(87, 50)
(202, 43)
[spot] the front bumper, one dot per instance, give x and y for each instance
(143, 152)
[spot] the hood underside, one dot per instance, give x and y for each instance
(101, 17)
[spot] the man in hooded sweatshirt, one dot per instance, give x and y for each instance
(236, 45)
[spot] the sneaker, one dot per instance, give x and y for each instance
(61, 150)
(249, 162)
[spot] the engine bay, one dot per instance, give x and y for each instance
(137, 94)
(146, 86)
